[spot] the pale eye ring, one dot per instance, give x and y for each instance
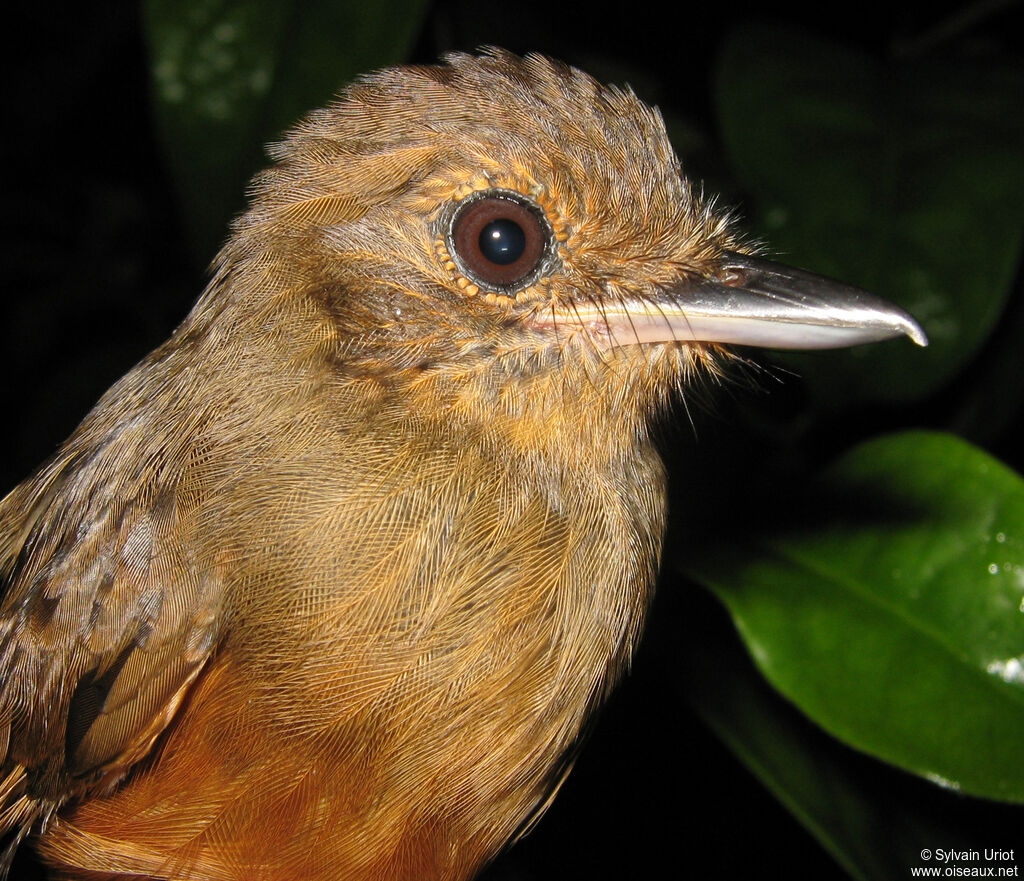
(499, 239)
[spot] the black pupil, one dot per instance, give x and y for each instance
(502, 241)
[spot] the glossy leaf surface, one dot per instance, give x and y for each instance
(890, 610)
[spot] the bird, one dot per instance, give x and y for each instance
(330, 583)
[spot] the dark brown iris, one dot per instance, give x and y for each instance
(500, 239)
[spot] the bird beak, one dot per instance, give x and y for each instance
(754, 302)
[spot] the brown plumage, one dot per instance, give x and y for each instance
(326, 586)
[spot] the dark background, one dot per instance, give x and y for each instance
(98, 269)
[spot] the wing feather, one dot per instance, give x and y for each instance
(106, 621)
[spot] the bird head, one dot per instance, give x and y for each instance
(505, 240)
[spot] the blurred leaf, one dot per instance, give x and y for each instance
(907, 179)
(894, 619)
(231, 75)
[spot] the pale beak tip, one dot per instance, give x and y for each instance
(904, 324)
(914, 330)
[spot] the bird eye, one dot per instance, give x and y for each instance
(499, 239)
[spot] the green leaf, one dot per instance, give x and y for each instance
(873, 819)
(891, 614)
(906, 178)
(231, 75)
